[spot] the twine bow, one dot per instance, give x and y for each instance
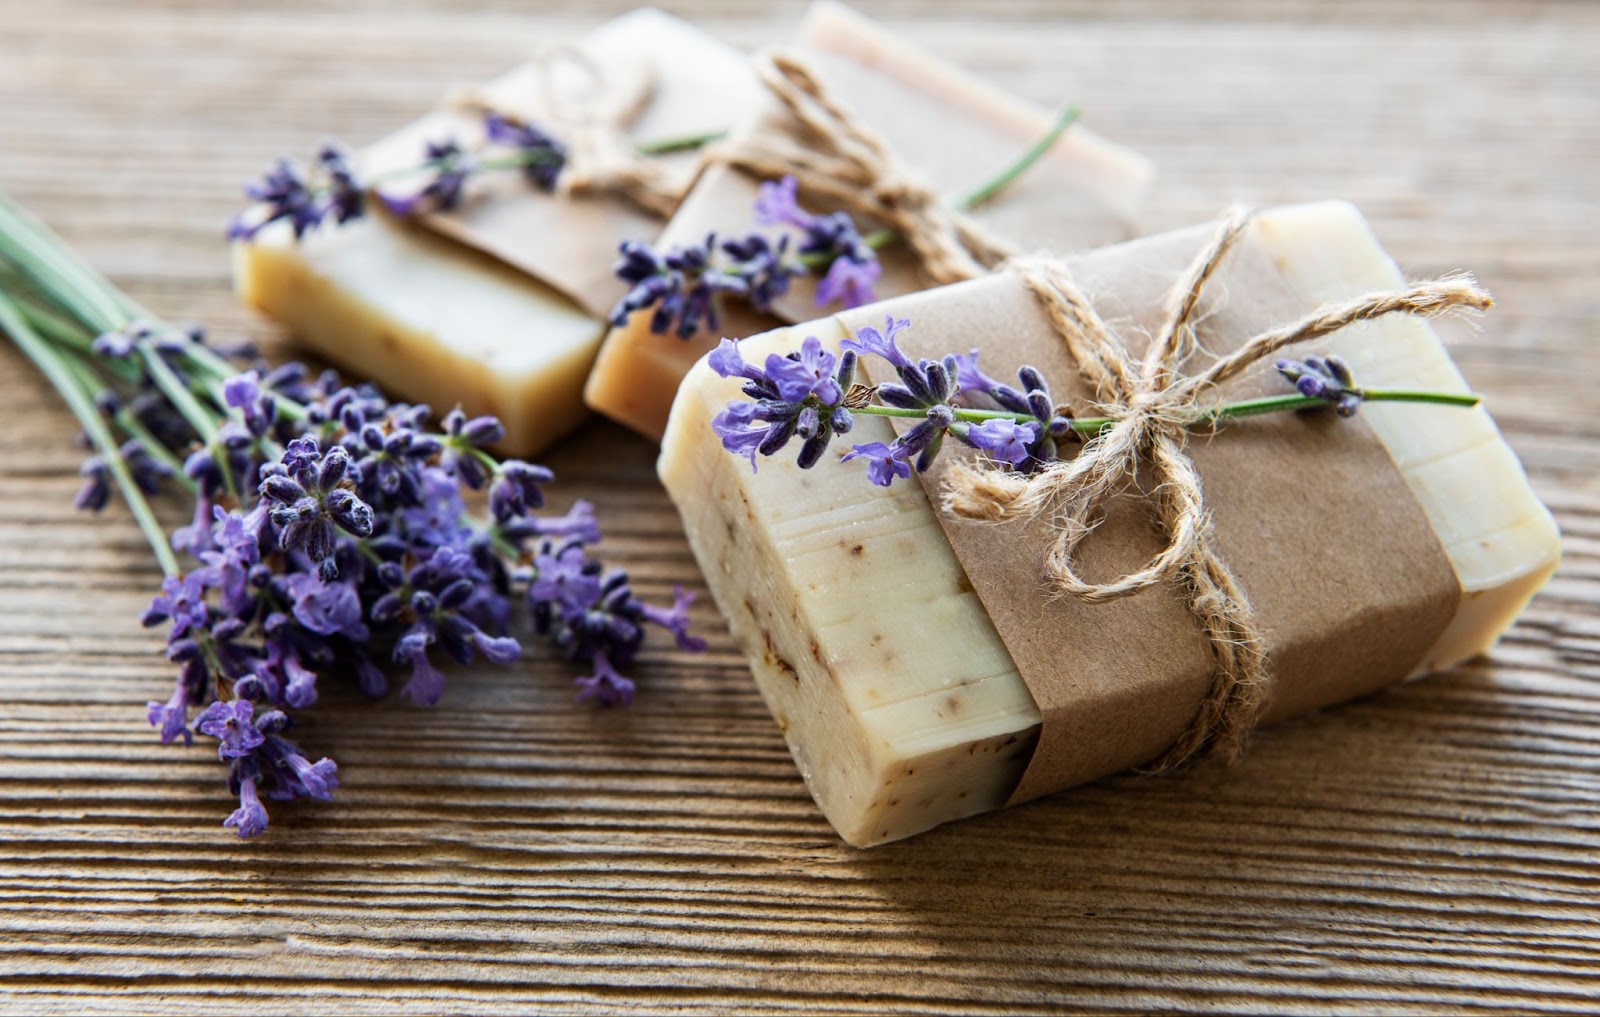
(592, 124)
(838, 158)
(1153, 403)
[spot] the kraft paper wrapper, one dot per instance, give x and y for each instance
(953, 128)
(1349, 582)
(700, 85)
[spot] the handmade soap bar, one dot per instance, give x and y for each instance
(900, 702)
(500, 308)
(956, 129)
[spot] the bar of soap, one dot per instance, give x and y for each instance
(899, 702)
(429, 320)
(496, 305)
(949, 125)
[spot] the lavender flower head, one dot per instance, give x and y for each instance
(1326, 378)
(685, 285)
(446, 168)
(332, 533)
(283, 193)
(543, 156)
(799, 395)
(793, 396)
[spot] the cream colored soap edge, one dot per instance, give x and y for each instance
(1328, 251)
(429, 322)
(876, 770)
(1342, 258)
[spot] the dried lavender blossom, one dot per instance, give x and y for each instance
(330, 533)
(543, 157)
(447, 166)
(1324, 378)
(684, 285)
(1019, 426)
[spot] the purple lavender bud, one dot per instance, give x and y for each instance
(427, 682)
(229, 722)
(1326, 378)
(333, 469)
(545, 157)
(1311, 386)
(242, 390)
(884, 463)
(449, 167)
(1005, 441)
(849, 282)
(870, 340)
(171, 719)
(96, 490)
(500, 650)
(281, 489)
(777, 205)
(606, 687)
(346, 199)
(250, 818)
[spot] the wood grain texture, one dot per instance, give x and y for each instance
(1432, 849)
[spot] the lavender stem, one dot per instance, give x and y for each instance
(39, 350)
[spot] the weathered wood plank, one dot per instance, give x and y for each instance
(1432, 849)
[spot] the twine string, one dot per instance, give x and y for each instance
(837, 157)
(592, 123)
(1153, 404)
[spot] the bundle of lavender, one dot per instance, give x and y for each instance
(330, 535)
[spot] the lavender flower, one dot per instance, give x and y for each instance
(330, 527)
(283, 193)
(798, 395)
(545, 156)
(346, 198)
(1326, 378)
(686, 283)
(447, 166)
(795, 395)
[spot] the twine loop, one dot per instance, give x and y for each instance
(1152, 404)
(837, 157)
(592, 124)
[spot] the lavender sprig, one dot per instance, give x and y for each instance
(798, 395)
(685, 285)
(332, 193)
(330, 532)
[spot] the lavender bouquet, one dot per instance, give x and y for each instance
(331, 535)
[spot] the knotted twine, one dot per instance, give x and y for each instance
(1153, 404)
(601, 158)
(835, 156)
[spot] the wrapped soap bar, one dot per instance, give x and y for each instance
(496, 303)
(945, 126)
(918, 664)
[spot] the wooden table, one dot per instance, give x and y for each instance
(1436, 847)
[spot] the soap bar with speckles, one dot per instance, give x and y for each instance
(900, 703)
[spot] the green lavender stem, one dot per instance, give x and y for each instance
(978, 196)
(879, 239)
(1089, 426)
(78, 400)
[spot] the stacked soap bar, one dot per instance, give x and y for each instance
(954, 128)
(899, 701)
(496, 305)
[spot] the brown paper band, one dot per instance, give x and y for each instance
(1148, 681)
